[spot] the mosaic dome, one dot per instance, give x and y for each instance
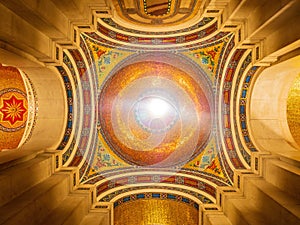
(154, 114)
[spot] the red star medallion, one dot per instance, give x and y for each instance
(13, 109)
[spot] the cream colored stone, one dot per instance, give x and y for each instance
(274, 145)
(34, 204)
(268, 116)
(262, 109)
(46, 135)
(284, 176)
(266, 129)
(5, 189)
(96, 218)
(70, 211)
(216, 220)
(265, 197)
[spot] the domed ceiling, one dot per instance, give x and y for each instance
(157, 112)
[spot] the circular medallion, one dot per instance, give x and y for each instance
(13, 109)
(154, 114)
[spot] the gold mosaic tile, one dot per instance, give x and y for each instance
(293, 110)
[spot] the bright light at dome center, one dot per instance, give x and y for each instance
(158, 107)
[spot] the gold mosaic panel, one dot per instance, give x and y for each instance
(293, 110)
(155, 212)
(13, 107)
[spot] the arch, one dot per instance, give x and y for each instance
(50, 100)
(268, 108)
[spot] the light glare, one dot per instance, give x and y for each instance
(158, 107)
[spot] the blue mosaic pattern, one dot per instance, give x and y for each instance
(242, 108)
(203, 22)
(69, 92)
(241, 148)
(201, 198)
(162, 196)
